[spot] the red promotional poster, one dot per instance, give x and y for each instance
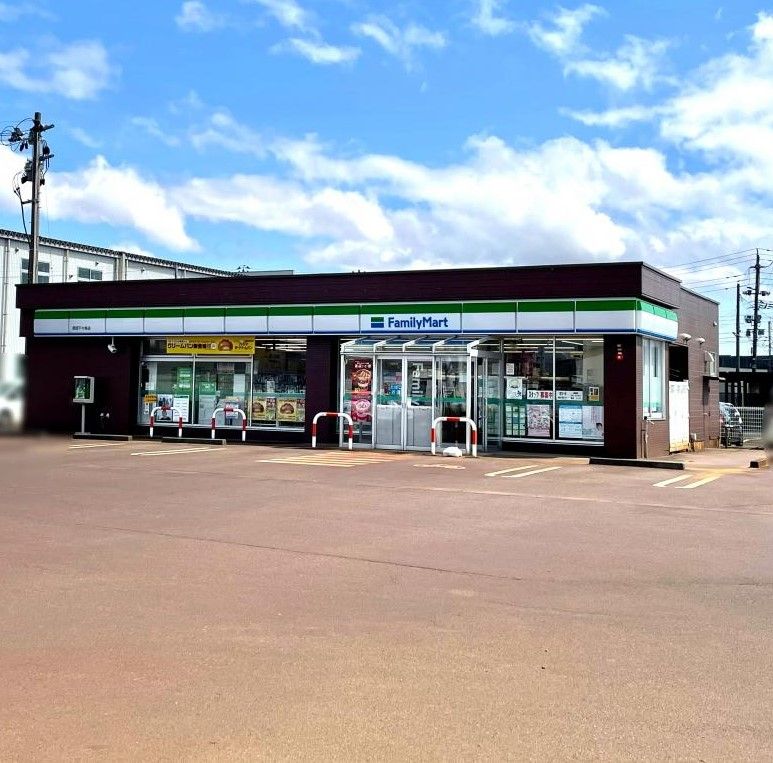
(362, 379)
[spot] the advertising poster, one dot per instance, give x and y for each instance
(538, 420)
(514, 387)
(539, 394)
(570, 421)
(593, 395)
(569, 394)
(184, 379)
(183, 405)
(362, 393)
(210, 345)
(263, 408)
(289, 409)
(165, 401)
(593, 422)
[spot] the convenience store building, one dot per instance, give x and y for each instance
(609, 359)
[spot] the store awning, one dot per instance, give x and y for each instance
(435, 345)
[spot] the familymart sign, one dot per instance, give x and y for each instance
(568, 316)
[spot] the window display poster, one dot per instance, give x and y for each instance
(206, 387)
(207, 405)
(569, 394)
(240, 384)
(509, 369)
(515, 420)
(593, 422)
(570, 421)
(263, 408)
(514, 387)
(184, 379)
(539, 394)
(362, 393)
(290, 409)
(538, 420)
(183, 405)
(594, 395)
(166, 403)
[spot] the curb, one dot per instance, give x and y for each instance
(194, 440)
(89, 436)
(604, 461)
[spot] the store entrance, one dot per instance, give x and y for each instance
(403, 403)
(395, 388)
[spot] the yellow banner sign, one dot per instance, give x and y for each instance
(210, 345)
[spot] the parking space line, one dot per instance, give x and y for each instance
(528, 474)
(704, 481)
(175, 452)
(513, 469)
(99, 445)
(666, 483)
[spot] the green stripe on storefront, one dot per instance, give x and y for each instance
(337, 310)
(204, 312)
(662, 312)
(125, 313)
(548, 306)
(605, 305)
(52, 315)
(488, 307)
(164, 312)
(408, 308)
(84, 314)
(246, 312)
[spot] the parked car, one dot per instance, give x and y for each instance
(11, 406)
(731, 425)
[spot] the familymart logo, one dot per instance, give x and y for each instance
(412, 322)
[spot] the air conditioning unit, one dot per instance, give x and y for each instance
(710, 364)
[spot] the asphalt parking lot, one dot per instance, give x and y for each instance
(184, 601)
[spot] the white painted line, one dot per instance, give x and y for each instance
(704, 481)
(527, 474)
(309, 463)
(175, 452)
(514, 469)
(438, 466)
(666, 483)
(100, 445)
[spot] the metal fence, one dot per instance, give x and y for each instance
(752, 422)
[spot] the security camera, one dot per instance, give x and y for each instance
(111, 348)
(685, 337)
(700, 340)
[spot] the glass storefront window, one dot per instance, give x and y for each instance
(279, 383)
(167, 384)
(220, 384)
(529, 387)
(653, 378)
(579, 389)
(358, 397)
(452, 384)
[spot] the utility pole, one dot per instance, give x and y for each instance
(34, 173)
(738, 328)
(756, 319)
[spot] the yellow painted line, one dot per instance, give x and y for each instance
(176, 452)
(514, 469)
(666, 483)
(527, 474)
(704, 481)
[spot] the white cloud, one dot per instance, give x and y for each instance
(151, 127)
(224, 132)
(194, 16)
(84, 137)
(101, 193)
(9, 13)
(317, 51)
(132, 248)
(561, 35)
(489, 22)
(401, 43)
(636, 63)
(614, 117)
(79, 71)
(288, 13)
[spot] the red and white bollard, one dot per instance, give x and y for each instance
(229, 410)
(164, 409)
(337, 414)
(469, 422)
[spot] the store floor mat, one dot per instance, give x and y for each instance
(341, 459)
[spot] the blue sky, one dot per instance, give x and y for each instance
(343, 134)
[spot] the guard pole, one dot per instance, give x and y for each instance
(337, 414)
(468, 421)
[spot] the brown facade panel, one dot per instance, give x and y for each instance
(620, 411)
